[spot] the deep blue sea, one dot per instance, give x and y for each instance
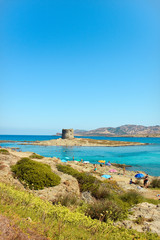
(141, 158)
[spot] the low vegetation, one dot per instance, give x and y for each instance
(68, 200)
(110, 201)
(86, 181)
(58, 222)
(140, 220)
(36, 156)
(155, 183)
(4, 151)
(132, 197)
(105, 210)
(35, 175)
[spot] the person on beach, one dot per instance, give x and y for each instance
(73, 158)
(146, 180)
(124, 170)
(108, 163)
(95, 168)
(131, 182)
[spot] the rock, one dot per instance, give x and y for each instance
(67, 183)
(145, 217)
(87, 197)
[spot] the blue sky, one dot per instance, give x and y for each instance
(81, 64)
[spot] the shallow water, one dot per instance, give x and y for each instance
(142, 158)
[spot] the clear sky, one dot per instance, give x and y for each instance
(78, 64)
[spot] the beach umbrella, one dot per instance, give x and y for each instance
(106, 176)
(63, 160)
(101, 161)
(113, 170)
(139, 175)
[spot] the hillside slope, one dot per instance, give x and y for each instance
(125, 130)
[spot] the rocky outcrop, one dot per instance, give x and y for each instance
(87, 197)
(67, 185)
(145, 217)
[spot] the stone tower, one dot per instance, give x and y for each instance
(67, 133)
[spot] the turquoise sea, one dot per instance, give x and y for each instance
(141, 158)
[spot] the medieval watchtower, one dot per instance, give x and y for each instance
(67, 133)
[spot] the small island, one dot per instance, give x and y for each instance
(69, 140)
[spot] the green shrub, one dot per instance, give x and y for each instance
(102, 192)
(131, 197)
(4, 151)
(113, 185)
(35, 175)
(86, 181)
(36, 156)
(67, 169)
(155, 183)
(67, 200)
(99, 189)
(106, 209)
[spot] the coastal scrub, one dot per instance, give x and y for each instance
(36, 156)
(35, 175)
(4, 151)
(155, 183)
(58, 222)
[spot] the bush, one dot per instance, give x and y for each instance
(132, 197)
(155, 183)
(4, 151)
(85, 180)
(67, 169)
(36, 156)
(106, 209)
(113, 185)
(67, 200)
(102, 192)
(35, 175)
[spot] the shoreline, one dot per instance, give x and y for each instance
(121, 177)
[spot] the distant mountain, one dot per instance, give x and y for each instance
(125, 130)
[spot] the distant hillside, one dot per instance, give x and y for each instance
(125, 130)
